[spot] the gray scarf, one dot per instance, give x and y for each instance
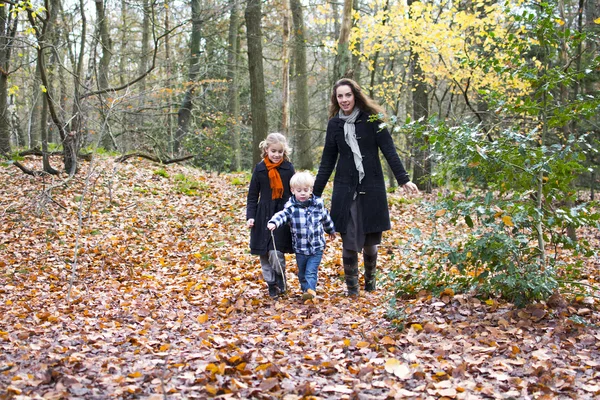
(350, 136)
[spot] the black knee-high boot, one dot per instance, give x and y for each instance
(370, 261)
(351, 272)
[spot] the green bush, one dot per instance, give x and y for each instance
(519, 209)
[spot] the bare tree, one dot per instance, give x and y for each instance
(233, 78)
(420, 110)
(258, 105)
(8, 28)
(285, 70)
(106, 44)
(302, 132)
(343, 57)
(185, 110)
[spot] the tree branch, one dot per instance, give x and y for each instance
(154, 158)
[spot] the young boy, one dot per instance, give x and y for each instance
(307, 216)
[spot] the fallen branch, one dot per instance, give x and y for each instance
(28, 171)
(38, 152)
(153, 158)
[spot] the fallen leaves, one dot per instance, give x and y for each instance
(167, 300)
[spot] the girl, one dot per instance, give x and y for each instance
(268, 192)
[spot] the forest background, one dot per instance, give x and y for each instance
(493, 106)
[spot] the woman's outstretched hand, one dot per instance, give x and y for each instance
(410, 187)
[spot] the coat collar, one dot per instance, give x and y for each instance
(262, 167)
(362, 117)
(310, 202)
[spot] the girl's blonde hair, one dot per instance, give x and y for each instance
(302, 179)
(275, 138)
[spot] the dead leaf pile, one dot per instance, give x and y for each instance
(124, 284)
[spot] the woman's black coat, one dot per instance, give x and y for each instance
(261, 207)
(371, 139)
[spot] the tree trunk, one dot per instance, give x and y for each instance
(233, 78)
(169, 73)
(285, 71)
(35, 120)
(376, 56)
(420, 110)
(335, 12)
(258, 106)
(343, 57)
(7, 32)
(75, 126)
(143, 65)
(304, 158)
(357, 46)
(185, 110)
(104, 66)
(422, 164)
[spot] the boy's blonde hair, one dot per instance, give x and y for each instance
(302, 179)
(275, 138)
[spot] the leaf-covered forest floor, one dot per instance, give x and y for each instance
(135, 281)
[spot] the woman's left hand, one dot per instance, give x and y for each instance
(410, 187)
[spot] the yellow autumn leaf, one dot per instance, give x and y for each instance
(387, 340)
(202, 318)
(597, 20)
(417, 327)
(398, 368)
(507, 220)
(212, 368)
(136, 374)
(346, 342)
(262, 367)
(164, 347)
(43, 88)
(362, 344)
(211, 389)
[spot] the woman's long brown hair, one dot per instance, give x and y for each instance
(361, 100)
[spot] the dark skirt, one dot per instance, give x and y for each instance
(355, 238)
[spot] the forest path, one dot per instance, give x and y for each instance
(167, 302)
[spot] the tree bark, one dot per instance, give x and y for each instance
(233, 78)
(420, 110)
(356, 57)
(343, 57)
(185, 110)
(376, 56)
(258, 106)
(7, 34)
(105, 43)
(169, 73)
(285, 70)
(301, 121)
(104, 66)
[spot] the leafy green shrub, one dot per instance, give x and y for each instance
(161, 172)
(503, 236)
(189, 186)
(517, 214)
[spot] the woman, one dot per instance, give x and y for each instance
(359, 204)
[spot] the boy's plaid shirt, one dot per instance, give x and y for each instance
(307, 222)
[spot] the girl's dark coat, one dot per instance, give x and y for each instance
(371, 139)
(261, 207)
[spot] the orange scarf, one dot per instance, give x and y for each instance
(274, 178)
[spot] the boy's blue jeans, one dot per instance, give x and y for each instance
(308, 269)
